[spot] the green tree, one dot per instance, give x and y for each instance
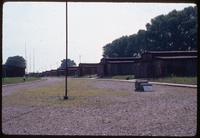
(175, 31)
(70, 63)
(16, 61)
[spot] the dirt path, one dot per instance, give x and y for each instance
(8, 90)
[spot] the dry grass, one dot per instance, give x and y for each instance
(80, 93)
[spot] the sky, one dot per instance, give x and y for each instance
(37, 30)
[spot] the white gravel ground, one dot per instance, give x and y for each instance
(168, 111)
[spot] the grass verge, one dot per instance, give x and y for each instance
(120, 77)
(180, 80)
(13, 80)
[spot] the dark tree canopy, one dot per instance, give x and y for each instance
(175, 31)
(70, 63)
(16, 61)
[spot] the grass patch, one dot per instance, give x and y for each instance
(122, 77)
(81, 93)
(173, 79)
(13, 80)
(181, 80)
(88, 76)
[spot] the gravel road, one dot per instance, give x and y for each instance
(167, 111)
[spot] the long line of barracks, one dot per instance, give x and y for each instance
(151, 64)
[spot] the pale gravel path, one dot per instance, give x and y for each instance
(168, 111)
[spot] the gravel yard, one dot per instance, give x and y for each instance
(98, 107)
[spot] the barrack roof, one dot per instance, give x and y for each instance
(152, 52)
(88, 63)
(122, 58)
(112, 62)
(177, 57)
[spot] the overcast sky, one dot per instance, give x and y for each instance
(40, 29)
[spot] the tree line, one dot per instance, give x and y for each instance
(175, 31)
(16, 61)
(70, 63)
(20, 62)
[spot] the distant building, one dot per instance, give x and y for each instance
(116, 66)
(151, 64)
(73, 71)
(61, 72)
(88, 68)
(49, 73)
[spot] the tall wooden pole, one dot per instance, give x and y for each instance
(66, 67)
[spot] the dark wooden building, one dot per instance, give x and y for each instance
(151, 64)
(49, 73)
(117, 66)
(73, 71)
(88, 68)
(155, 64)
(61, 72)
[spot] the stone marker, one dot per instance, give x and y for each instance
(147, 88)
(143, 85)
(138, 84)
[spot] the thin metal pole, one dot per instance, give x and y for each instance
(26, 70)
(66, 67)
(33, 60)
(30, 61)
(5, 70)
(79, 58)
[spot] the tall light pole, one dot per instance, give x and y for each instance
(26, 69)
(30, 61)
(66, 67)
(33, 60)
(79, 58)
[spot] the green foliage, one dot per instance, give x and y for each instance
(16, 61)
(13, 80)
(180, 80)
(175, 31)
(70, 63)
(124, 77)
